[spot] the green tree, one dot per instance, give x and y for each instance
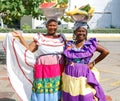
(15, 9)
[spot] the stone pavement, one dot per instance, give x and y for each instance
(109, 72)
(6, 91)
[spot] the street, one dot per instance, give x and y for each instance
(109, 70)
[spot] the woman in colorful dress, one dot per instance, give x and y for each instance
(49, 63)
(79, 80)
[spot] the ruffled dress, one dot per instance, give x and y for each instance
(79, 82)
(48, 68)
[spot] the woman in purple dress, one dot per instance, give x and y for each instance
(79, 81)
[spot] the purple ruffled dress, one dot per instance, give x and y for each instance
(79, 82)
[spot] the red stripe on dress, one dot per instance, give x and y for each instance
(48, 71)
(18, 62)
(26, 59)
(61, 43)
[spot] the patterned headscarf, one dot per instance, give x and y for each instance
(80, 24)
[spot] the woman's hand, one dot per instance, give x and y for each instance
(16, 34)
(91, 65)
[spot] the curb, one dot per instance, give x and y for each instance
(99, 36)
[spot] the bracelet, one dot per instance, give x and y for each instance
(93, 63)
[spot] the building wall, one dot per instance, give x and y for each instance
(115, 8)
(106, 12)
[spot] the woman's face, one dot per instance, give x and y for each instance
(81, 34)
(52, 27)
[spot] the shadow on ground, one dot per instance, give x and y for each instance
(6, 99)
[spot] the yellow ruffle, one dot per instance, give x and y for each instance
(76, 86)
(96, 73)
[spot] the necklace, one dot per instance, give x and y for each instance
(79, 45)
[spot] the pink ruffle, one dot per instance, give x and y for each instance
(48, 71)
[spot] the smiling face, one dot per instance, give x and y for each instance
(52, 27)
(81, 34)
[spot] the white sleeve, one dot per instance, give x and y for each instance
(63, 36)
(36, 37)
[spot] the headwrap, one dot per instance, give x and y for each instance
(80, 24)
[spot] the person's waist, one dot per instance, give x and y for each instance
(76, 60)
(51, 54)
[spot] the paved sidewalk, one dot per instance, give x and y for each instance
(7, 93)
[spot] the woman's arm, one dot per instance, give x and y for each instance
(103, 53)
(32, 46)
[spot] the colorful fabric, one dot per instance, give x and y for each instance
(35, 76)
(49, 45)
(48, 85)
(46, 97)
(79, 82)
(80, 24)
(48, 69)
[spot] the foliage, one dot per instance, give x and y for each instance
(44, 31)
(34, 30)
(15, 9)
(5, 30)
(67, 19)
(27, 30)
(26, 26)
(107, 31)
